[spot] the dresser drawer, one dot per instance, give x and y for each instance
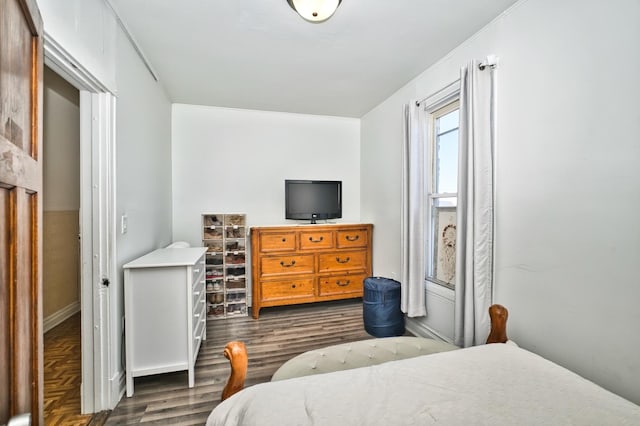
(199, 284)
(277, 290)
(281, 241)
(341, 261)
(198, 297)
(287, 265)
(199, 316)
(198, 293)
(198, 330)
(315, 240)
(197, 271)
(341, 284)
(198, 336)
(352, 238)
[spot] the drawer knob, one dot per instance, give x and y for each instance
(343, 283)
(316, 241)
(293, 286)
(287, 265)
(284, 240)
(350, 238)
(345, 260)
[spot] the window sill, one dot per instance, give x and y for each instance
(440, 290)
(440, 284)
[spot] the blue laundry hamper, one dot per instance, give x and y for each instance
(381, 307)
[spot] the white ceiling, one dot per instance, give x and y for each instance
(259, 54)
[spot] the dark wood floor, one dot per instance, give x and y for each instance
(280, 334)
(62, 374)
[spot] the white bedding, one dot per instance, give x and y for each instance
(498, 384)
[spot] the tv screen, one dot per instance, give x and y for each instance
(313, 199)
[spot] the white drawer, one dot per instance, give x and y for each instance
(198, 283)
(198, 327)
(199, 307)
(198, 294)
(198, 331)
(197, 272)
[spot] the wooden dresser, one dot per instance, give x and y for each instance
(308, 263)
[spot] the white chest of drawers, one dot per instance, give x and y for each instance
(165, 318)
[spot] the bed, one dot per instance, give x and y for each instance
(492, 384)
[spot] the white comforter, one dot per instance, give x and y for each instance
(498, 384)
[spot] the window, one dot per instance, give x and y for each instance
(442, 194)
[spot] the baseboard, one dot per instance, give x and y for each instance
(418, 329)
(118, 387)
(60, 316)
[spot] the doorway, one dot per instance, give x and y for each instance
(61, 250)
(96, 172)
(61, 200)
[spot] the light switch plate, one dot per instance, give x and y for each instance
(124, 224)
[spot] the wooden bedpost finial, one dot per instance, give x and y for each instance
(236, 353)
(498, 315)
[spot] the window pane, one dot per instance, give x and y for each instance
(442, 198)
(448, 121)
(447, 162)
(443, 241)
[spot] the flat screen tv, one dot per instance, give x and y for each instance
(313, 199)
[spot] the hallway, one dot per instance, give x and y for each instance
(62, 376)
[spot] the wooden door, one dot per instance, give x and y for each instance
(21, 38)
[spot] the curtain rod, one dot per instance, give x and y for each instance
(491, 61)
(456, 81)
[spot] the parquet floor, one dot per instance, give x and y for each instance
(62, 376)
(280, 334)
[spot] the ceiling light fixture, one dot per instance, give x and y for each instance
(315, 10)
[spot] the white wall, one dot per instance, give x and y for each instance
(143, 175)
(87, 30)
(61, 148)
(61, 200)
(231, 160)
(568, 181)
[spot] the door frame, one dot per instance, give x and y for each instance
(97, 224)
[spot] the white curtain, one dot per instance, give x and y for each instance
(474, 244)
(413, 213)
